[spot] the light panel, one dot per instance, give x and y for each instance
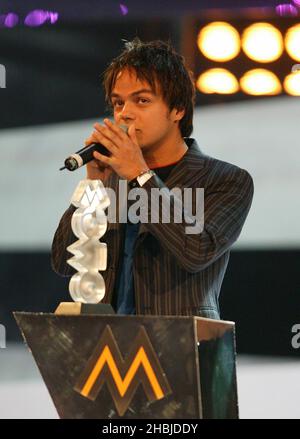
(292, 42)
(262, 42)
(291, 84)
(259, 82)
(217, 80)
(219, 41)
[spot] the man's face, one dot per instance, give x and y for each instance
(133, 101)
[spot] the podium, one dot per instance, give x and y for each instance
(131, 367)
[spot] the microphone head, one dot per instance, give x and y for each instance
(71, 163)
(124, 128)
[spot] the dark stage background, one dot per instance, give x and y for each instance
(53, 75)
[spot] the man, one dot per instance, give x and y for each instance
(156, 267)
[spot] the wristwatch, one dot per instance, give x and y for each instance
(141, 179)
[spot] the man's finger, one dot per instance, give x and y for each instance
(109, 134)
(100, 138)
(102, 158)
(116, 129)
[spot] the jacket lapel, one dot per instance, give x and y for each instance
(189, 170)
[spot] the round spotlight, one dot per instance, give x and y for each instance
(292, 42)
(291, 84)
(11, 20)
(219, 41)
(219, 81)
(260, 82)
(262, 42)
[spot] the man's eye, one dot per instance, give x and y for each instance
(143, 100)
(117, 103)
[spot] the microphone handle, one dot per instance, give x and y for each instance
(84, 155)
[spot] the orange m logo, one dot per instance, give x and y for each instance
(123, 377)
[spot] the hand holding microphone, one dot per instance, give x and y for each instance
(97, 170)
(110, 147)
(85, 154)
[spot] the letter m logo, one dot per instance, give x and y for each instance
(123, 375)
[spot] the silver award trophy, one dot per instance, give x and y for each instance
(89, 224)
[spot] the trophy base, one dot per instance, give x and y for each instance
(77, 308)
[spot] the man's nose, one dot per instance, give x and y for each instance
(127, 113)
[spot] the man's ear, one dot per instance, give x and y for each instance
(177, 114)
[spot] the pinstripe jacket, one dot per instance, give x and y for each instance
(176, 273)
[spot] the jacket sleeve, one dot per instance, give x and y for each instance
(227, 200)
(63, 237)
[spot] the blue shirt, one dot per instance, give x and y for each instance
(124, 290)
(125, 286)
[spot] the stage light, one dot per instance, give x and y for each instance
(123, 9)
(291, 83)
(219, 41)
(286, 10)
(217, 80)
(38, 17)
(34, 18)
(259, 82)
(292, 42)
(11, 20)
(262, 42)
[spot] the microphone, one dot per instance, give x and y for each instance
(85, 154)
